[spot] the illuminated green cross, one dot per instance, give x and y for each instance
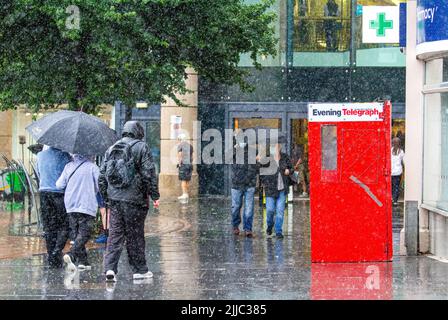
(381, 24)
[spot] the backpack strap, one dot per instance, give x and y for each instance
(71, 175)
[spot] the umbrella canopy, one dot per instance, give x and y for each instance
(73, 131)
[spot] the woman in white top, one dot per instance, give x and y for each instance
(397, 168)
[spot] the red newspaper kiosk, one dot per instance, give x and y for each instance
(350, 189)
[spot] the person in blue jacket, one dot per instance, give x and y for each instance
(50, 164)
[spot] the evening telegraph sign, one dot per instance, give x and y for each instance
(340, 112)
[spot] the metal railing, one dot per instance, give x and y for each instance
(20, 187)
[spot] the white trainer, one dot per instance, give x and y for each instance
(70, 265)
(110, 276)
(147, 275)
(83, 267)
(183, 197)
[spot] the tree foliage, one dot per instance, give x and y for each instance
(125, 50)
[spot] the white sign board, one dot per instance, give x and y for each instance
(381, 24)
(176, 126)
(340, 112)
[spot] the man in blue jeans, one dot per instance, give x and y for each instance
(244, 180)
(276, 187)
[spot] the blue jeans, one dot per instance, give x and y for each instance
(237, 203)
(276, 206)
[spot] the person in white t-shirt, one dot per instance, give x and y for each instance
(397, 168)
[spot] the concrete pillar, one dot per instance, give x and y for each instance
(169, 183)
(414, 139)
(5, 135)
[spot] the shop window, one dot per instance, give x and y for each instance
(322, 25)
(329, 146)
(435, 184)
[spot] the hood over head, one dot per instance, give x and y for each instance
(133, 129)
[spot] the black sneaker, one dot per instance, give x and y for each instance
(269, 232)
(279, 236)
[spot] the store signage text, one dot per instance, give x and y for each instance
(431, 21)
(345, 112)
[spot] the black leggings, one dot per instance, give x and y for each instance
(396, 180)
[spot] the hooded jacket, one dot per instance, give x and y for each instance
(145, 182)
(81, 186)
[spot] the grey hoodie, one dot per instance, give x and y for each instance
(82, 188)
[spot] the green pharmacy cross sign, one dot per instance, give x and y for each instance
(381, 24)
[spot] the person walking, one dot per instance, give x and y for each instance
(303, 173)
(185, 165)
(127, 180)
(276, 187)
(50, 164)
(244, 180)
(80, 181)
(397, 168)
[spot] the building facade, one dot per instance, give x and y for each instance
(320, 58)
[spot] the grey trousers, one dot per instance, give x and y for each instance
(127, 224)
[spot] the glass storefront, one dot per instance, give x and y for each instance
(326, 33)
(322, 32)
(435, 161)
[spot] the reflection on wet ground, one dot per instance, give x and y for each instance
(193, 255)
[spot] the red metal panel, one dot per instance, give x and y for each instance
(351, 209)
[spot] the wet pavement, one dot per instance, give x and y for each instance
(193, 255)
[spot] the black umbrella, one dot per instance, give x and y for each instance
(73, 131)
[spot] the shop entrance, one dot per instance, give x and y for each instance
(295, 126)
(298, 147)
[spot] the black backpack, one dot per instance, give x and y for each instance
(120, 169)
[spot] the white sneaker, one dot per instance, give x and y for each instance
(70, 265)
(146, 275)
(83, 267)
(110, 276)
(183, 197)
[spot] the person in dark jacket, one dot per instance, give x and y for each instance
(244, 180)
(50, 164)
(129, 205)
(276, 187)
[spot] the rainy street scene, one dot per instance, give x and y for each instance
(193, 151)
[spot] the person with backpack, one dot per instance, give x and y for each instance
(80, 181)
(50, 164)
(127, 180)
